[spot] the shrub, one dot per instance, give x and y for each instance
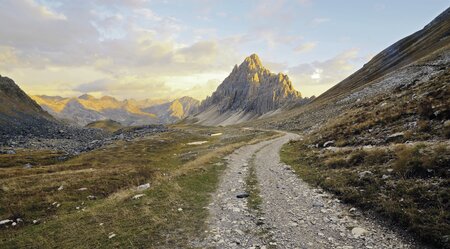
(377, 156)
(423, 126)
(336, 163)
(357, 157)
(407, 160)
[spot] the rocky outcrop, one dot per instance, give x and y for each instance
(248, 92)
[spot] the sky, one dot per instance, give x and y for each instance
(164, 49)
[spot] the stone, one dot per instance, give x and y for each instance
(28, 166)
(242, 195)
(60, 188)
(143, 187)
(384, 177)
(328, 143)
(364, 173)
(5, 222)
(138, 196)
(359, 231)
(111, 235)
(317, 204)
(395, 136)
(82, 189)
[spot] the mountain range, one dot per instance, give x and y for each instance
(86, 109)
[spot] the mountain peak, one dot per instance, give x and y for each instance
(252, 62)
(86, 96)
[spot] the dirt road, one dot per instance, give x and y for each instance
(289, 214)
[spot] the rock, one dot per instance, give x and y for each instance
(242, 195)
(328, 143)
(364, 174)
(216, 134)
(138, 196)
(359, 231)
(28, 166)
(395, 136)
(36, 222)
(60, 188)
(10, 152)
(351, 210)
(5, 222)
(91, 197)
(111, 235)
(143, 187)
(180, 209)
(317, 204)
(384, 177)
(82, 189)
(14, 224)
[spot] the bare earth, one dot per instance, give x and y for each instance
(292, 214)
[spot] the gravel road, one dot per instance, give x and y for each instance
(291, 213)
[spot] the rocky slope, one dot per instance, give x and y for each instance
(249, 91)
(419, 60)
(19, 114)
(86, 109)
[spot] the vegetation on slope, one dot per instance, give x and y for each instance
(88, 202)
(106, 125)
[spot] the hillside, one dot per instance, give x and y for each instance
(106, 125)
(379, 139)
(19, 114)
(249, 92)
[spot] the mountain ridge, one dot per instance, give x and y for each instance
(87, 108)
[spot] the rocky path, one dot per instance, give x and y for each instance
(291, 214)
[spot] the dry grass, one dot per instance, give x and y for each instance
(111, 174)
(407, 184)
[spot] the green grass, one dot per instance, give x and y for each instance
(254, 200)
(181, 176)
(415, 195)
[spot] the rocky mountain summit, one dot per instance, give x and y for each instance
(249, 91)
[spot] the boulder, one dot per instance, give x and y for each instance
(143, 187)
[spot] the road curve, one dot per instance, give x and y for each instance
(291, 215)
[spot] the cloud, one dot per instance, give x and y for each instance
(305, 47)
(320, 20)
(316, 77)
(330, 71)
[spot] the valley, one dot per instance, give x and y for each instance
(366, 164)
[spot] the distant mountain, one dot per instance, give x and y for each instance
(87, 109)
(250, 91)
(175, 110)
(19, 114)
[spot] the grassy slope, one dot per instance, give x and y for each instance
(107, 125)
(416, 165)
(181, 176)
